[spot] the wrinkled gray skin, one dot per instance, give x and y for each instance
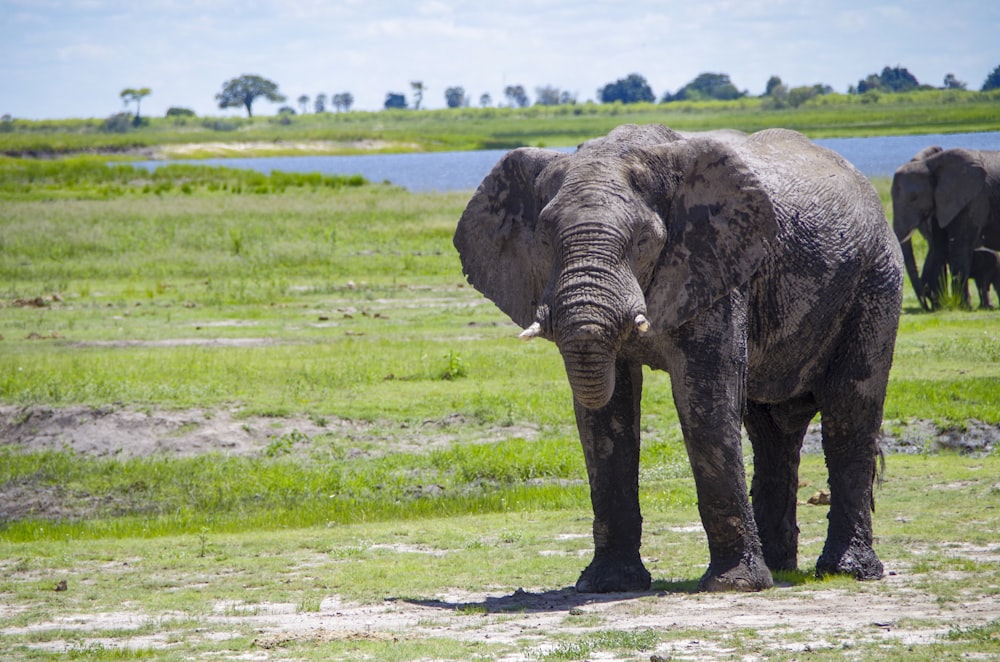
(772, 285)
(952, 198)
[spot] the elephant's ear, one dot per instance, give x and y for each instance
(960, 178)
(503, 253)
(720, 222)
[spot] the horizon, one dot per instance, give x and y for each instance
(71, 59)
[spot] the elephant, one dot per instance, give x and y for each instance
(952, 198)
(759, 272)
(985, 269)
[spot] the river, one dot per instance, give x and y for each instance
(460, 171)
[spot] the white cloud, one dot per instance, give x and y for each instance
(51, 53)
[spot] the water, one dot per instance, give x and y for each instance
(881, 155)
(461, 171)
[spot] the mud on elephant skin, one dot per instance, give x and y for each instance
(952, 198)
(758, 271)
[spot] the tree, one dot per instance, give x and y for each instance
(485, 100)
(395, 100)
(706, 86)
(304, 103)
(177, 111)
(899, 79)
(343, 101)
(992, 81)
(772, 83)
(245, 90)
(418, 93)
(517, 96)
(455, 97)
(133, 95)
(776, 95)
(117, 123)
(799, 95)
(319, 106)
(952, 83)
(892, 79)
(552, 96)
(631, 89)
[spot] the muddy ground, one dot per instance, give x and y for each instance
(831, 619)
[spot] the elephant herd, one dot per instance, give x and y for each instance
(760, 273)
(952, 198)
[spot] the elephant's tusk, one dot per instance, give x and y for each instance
(531, 331)
(641, 323)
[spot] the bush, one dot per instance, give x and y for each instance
(117, 123)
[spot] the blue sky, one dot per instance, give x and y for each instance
(72, 58)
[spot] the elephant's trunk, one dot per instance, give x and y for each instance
(597, 302)
(590, 368)
(913, 272)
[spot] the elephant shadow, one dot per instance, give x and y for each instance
(528, 602)
(567, 599)
(557, 600)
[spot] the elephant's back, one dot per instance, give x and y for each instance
(828, 212)
(834, 249)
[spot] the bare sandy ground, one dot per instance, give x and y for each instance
(785, 619)
(780, 620)
(284, 148)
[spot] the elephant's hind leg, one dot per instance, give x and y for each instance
(851, 457)
(776, 433)
(851, 407)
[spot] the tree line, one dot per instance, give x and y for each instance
(244, 91)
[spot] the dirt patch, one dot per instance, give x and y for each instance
(128, 432)
(787, 619)
(783, 619)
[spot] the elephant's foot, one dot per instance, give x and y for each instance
(745, 575)
(614, 575)
(782, 557)
(857, 560)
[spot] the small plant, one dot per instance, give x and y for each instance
(454, 367)
(309, 605)
(283, 445)
(203, 543)
(236, 240)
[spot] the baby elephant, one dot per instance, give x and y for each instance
(985, 270)
(759, 271)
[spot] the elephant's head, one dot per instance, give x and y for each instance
(931, 191)
(913, 194)
(631, 234)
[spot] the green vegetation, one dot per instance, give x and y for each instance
(826, 115)
(343, 303)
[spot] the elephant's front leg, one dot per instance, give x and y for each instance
(610, 437)
(710, 392)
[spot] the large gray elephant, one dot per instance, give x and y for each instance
(760, 272)
(952, 198)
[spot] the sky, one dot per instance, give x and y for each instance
(73, 58)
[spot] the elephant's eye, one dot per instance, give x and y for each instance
(643, 237)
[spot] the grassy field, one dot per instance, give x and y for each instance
(834, 115)
(342, 304)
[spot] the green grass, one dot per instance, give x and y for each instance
(181, 583)
(835, 115)
(339, 300)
